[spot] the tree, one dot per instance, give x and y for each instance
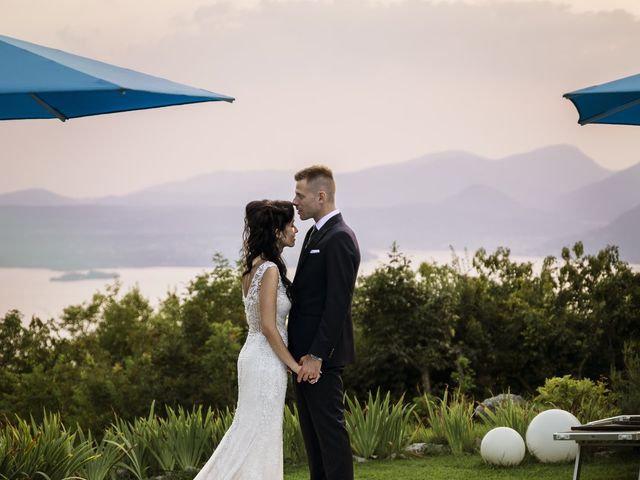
(406, 318)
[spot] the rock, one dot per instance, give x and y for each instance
(427, 449)
(416, 448)
(437, 449)
(359, 459)
(494, 402)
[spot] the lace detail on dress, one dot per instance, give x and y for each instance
(252, 302)
(252, 447)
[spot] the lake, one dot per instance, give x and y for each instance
(33, 293)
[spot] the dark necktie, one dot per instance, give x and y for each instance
(313, 231)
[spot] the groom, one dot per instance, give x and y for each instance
(320, 328)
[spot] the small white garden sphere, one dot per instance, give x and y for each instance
(502, 446)
(540, 440)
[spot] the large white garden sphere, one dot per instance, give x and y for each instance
(540, 440)
(502, 446)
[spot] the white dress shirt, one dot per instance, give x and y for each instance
(320, 223)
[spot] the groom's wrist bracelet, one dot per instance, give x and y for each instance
(315, 357)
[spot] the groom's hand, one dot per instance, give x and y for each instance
(310, 369)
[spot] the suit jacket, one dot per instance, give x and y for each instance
(320, 317)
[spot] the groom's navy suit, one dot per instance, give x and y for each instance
(320, 324)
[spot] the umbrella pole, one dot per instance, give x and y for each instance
(56, 113)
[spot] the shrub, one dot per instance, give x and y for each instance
(626, 384)
(452, 419)
(294, 451)
(181, 442)
(380, 429)
(510, 414)
(586, 399)
(107, 453)
(48, 450)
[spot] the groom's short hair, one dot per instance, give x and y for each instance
(321, 177)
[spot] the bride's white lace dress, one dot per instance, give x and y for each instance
(252, 447)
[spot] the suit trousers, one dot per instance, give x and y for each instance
(321, 411)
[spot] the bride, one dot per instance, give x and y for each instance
(252, 447)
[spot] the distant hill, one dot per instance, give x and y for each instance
(533, 179)
(220, 189)
(533, 203)
(605, 200)
(34, 197)
(624, 232)
(476, 217)
(110, 236)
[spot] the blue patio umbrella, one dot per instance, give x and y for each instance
(41, 82)
(616, 102)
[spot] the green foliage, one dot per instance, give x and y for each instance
(586, 399)
(106, 455)
(626, 383)
(188, 435)
(180, 441)
(380, 428)
(494, 323)
(511, 414)
(596, 308)
(405, 317)
(46, 450)
(294, 451)
(117, 354)
(452, 419)
(488, 325)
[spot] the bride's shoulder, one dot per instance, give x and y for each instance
(264, 269)
(264, 265)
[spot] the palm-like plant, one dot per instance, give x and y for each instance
(380, 429)
(452, 419)
(107, 454)
(511, 414)
(48, 450)
(294, 451)
(133, 441)
(187, 436)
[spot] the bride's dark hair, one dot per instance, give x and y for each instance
(262, 220)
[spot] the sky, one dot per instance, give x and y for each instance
(351, 84)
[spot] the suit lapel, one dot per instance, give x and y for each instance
(332, 222)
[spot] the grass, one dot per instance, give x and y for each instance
(465, 467)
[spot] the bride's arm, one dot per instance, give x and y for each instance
(268, 306)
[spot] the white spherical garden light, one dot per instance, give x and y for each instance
(502, 446)
(540, 440)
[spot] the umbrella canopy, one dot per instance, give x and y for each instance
(616, 102)
(41, 82)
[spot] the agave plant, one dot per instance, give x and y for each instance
(510, 414)
(133, 440)
(107, 454)
(452, 419)
(47, 450)
(294, 451)
(220, 423)
(187, 435)
(380, 429)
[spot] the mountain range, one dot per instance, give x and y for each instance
(534, 203)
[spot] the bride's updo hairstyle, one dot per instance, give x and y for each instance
(262, 220)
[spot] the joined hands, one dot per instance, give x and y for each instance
(309, 370)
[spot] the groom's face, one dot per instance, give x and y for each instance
(306, 200)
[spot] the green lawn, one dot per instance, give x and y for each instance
(471, 467)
